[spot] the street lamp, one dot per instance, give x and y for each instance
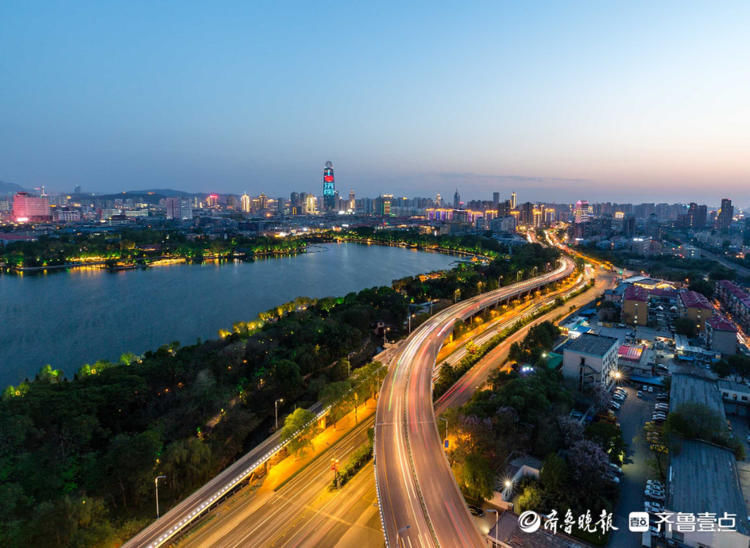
(446, 426)
(156, 486)
(497, 521)
(410, 317)
(276, 411)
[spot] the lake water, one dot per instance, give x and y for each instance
(70, 318)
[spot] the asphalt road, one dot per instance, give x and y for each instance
(420, 502)
(189, 509)
(300, 513)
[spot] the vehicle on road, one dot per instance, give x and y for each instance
(476, 511)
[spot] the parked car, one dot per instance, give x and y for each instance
(662, 397)
(650, 388)
(476, 511)
(615, 468)
(639, 394)
(663, 406)
(655, 483)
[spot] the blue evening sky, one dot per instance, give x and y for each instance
(557, 100)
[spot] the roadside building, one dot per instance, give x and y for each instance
(590, 359)
(695, 306)
(736, 397)
(721, 335)
(635, 305)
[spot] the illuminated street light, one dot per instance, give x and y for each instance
(156, 486)
(276, 410)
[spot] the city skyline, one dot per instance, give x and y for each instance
(620, 102)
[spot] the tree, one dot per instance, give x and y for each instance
(702, 286)
(287, 376)
(554, 474)
(589, 464)
(722, 368)
(477, 476)
(685, 326)
(609, 437)
(333, 395)
(298, 429)
(530, 499)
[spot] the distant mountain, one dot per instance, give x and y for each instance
(162, 191)
(10, 188)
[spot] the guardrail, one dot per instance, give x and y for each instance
(220, 493)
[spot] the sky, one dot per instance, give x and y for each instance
(558, 101)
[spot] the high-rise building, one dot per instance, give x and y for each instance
(329, 188)
(245, 203)
(456, 200)
(725, 214)
(311, 204)
(173, 207)
(582, 211)
(383, 205)
(697, 215)
(513, 201)
(27, 208)
(438, 200)
(503, 209)
(495, 199)
(352, 201)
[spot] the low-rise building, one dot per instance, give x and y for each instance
(721, 335)
(634, 360)
(736, 397)
(591, 359)
(704, 485)
(635, 305)
(695, 306)
(737, 301)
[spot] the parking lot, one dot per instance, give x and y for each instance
(631, 416)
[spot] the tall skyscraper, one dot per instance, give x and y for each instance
(352, 201)
(456, 200)
(245, 203)
(724, 218)
(581, 211)
(329, 188)
(495, 199)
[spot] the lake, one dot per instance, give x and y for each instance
(70, 318)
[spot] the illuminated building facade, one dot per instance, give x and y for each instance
(245, 203)
(329, 188)
(28, 208)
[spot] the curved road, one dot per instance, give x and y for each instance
(420, 503)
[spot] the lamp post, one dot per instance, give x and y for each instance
(446, 426)
(410, 317)
(276, 411)
(156, 486)
(497, 521)
(385, 330)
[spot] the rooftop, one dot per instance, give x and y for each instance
(593, 345)
(693, 299)
(632, 353)
(720, 323)
(691, 389)
(704, 479)
(734, 386)
(636, 293)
